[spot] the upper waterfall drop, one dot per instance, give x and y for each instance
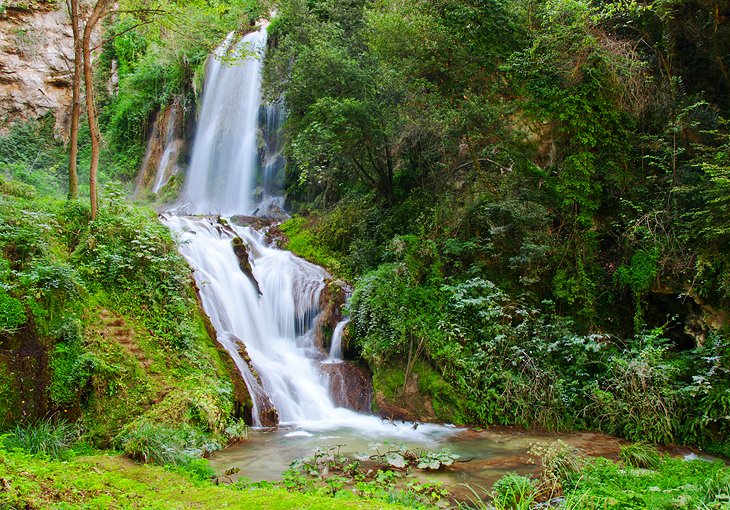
(225, 157)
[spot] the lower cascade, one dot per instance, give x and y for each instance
(274, 321)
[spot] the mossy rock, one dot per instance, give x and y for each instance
(425, 397)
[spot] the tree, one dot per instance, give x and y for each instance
(100, 9)
(83, 64)
(73, 177)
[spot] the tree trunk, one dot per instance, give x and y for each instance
(99, 10)
(73, 176)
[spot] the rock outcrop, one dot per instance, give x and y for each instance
(331, 300)
(36, 62)
(349, 385)
(166, 147)
(241, 251)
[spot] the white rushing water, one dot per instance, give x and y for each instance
(278, 326)
(224, 158)
(276, 315)
(336, 354)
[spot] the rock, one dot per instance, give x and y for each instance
(239, 248)
(36, 63)
(331, 301)
(350, 386)
(277, 237)
(408, 404)
(166, 144)
(255, 222)
(268, 415)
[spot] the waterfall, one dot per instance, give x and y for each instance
(270, 201)
(224, 158)
(166, 166)
(277, 327)
(264, 303)
(336, 354)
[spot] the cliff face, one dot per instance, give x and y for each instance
(36, 62)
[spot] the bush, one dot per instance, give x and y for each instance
(71, 366)
(12, 313)
(558, 463)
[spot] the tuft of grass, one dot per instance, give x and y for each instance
(640, 455)
(559, 462)
(513, 492)
(475, 501)
(178, 446)
(238, 432)
(43, 437)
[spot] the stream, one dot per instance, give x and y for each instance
(484, 455)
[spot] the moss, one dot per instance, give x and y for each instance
(436, 399)
(8, 398)
(304, 243)
(447, 405)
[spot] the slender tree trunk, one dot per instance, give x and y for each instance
(99, 10)
(73, 176)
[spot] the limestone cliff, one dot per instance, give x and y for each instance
(36, 61)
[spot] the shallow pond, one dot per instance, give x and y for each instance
(485, 455)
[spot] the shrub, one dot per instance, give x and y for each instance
(238, 431)
(12, 313)
(558, 462)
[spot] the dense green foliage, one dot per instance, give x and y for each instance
(531, 198)
(675, 483)
(100, 319)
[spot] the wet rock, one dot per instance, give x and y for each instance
(331, 300)
(165, 146)
(276, 237)
(241, 251)
(268, 415)
(349, 385)
(255, 222)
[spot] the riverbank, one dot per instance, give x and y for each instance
(113, 481)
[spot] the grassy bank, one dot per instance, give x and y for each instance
(115, 482)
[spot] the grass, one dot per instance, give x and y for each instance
(640, 455)
(42, 438)
(514, 491)
(114, 482)
(675, 483)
